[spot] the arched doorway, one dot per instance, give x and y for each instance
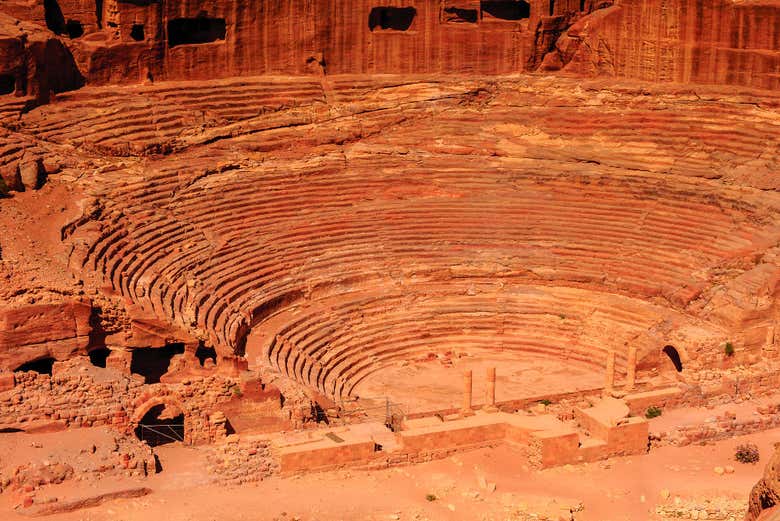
(674, 356)
(161, 424)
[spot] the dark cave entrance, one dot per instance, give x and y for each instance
(161, 426)
(137, 32)
(457, 15)
(99, 356)
(7, 84)
(189, 31)
(506, 9)
(153, 362)
(40, 366)
(74, 29)
(203, 353)
(391, 18)
(674, 356)
(55, 20)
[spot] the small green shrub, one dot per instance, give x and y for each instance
(747, 453)
(430, 497)
(545, 402)
(237, 392)
(653, 412)
(729, 349)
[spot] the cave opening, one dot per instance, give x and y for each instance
(40, 366)
(190, 31)
(74, 29)
(506, 9)
(458, 15)
(674, 356)
(99, 356)
(7, 84)
(391, 18)
(160, 426)
(153, 362)
(52, 13)
(137, 32)
(99, 13)
(203, 353)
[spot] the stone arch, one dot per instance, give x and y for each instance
(166, 401)
(676, 356)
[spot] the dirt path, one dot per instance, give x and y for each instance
(619, 490)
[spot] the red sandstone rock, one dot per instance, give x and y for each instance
(329, 226)
(57, 330)
(766, 493)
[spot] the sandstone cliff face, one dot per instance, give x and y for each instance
(765, 495)
(38, 331)
(238, 212)
(34, 61)
(111, 41)
(689, 41)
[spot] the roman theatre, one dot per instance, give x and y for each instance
(401, 222)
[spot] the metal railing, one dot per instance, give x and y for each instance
(161, 433)
(389, 413)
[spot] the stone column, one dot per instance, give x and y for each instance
(490, 394)
(467, 387)
(609, 380)
(631, 368)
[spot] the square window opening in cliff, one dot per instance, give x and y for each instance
(137, 32)
(192, 31)
(457, 15)
(153, 362)
(391, 18)
(505, 9)
(40, 366)
(7, 84)
(99, 356)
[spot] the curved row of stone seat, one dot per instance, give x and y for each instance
(723, 134)
(11, 150)
(349, 232)
(11, 107)
(155, 113)
(269, 211)
(332, 344)
(223, 252)
(367, 230)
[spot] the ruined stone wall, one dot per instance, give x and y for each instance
(77, 395)
(719, 428)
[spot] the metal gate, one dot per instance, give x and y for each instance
(161, 433)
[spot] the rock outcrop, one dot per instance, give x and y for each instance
(765, 496)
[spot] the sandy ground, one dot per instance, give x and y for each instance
(618, 490)
(437, 384)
